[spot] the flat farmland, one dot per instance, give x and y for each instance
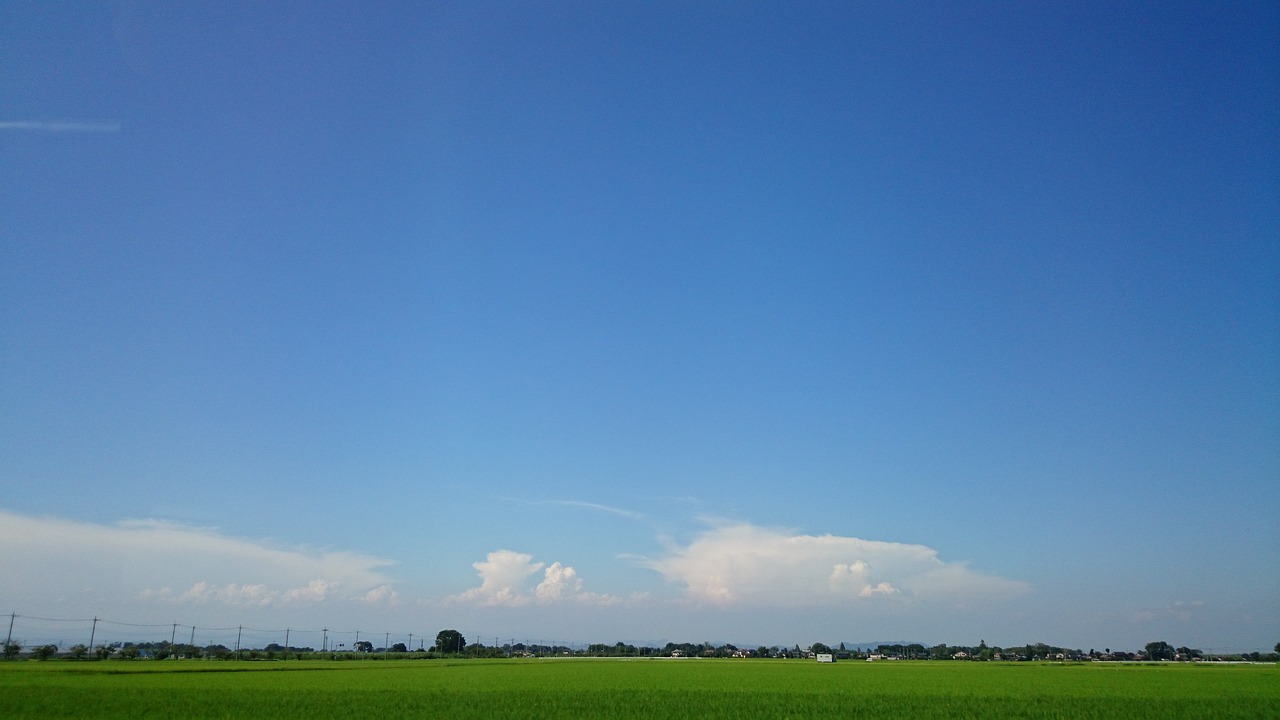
(584, 688)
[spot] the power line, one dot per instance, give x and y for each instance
(69, 620)
(14, 617)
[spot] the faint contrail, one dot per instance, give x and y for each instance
(59, 126)
(597, 506)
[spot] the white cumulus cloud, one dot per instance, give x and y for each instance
(505, 577)
(559, 582)
(382, 595)
(883, 588)
(742, 564)
(502, 573)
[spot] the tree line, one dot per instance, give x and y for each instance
(451, 643)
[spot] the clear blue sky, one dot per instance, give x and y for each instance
(691, 321)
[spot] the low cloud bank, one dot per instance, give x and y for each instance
(742, 564)
(156, 561)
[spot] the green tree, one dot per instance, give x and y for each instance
(450, 641)
(77, 652)
(1159, 650)
(44, 652)
(1188, 653)
(364, 646)
(12, 650)
(400, 648)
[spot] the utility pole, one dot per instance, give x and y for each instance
(172, 635)
(93, 632)
(386, 646)
(9, 638)
(324, 643)
(193, 639)
(238, 631)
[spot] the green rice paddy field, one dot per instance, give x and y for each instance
(690, 688)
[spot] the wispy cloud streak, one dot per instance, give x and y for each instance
(60, 126)
(597, 506)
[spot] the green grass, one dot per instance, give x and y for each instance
(633, 689)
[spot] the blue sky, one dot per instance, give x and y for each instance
(669, 321)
